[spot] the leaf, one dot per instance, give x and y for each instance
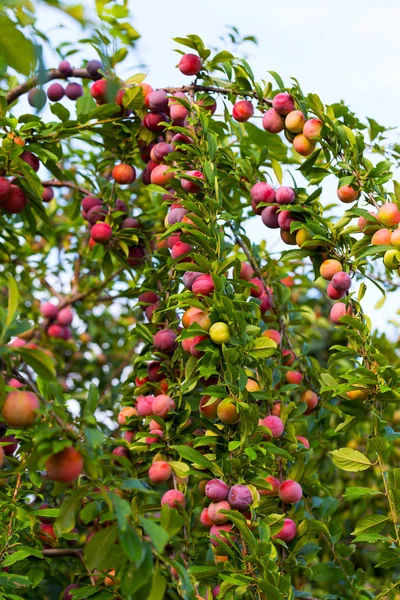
(16, 50)
(158, 535)
(370, 524)
(131, 543)
(99, 552)
(389, 559)
(354, 493)
(276, 165)
(40, 362)
(348, 459)
(194, 456)
(19, 555)
(13, 300)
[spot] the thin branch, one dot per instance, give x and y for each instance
(62, 551)
(21, 89)
(69, 184)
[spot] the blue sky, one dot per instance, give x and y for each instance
(345, 49)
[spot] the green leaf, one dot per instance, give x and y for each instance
(370, 524)
(348, 459)
(157, 534)
(16, 50)
(354, 493)
(277, 170)
(194, 457)
(40, 362)
(99, 552)
(13, 300)
(17, 556)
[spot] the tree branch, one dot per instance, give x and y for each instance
(69, 184)
(21, 89)
(62, 551)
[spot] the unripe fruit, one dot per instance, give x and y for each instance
(189, 186)
(334, 294)
(312, 129)
(240, 497)
(219, 333)
(272, 121)
(284, 195)
(227, 412)
(124, 174)
(290, 492)
(347, 194)
(311, 399)
(55, 92)
(274, 424)
(165, 340)
(288, 531)
(73, 91)
(303, 441)
(162, 405)
(252, 386)
(283, 103)
(341, 282)
(65, 317)
(338, 311)
(160, 471)
(209, 410)
(196, 315)
(174, 499)
(272, 334)
(126, 412)
(203, 285)
(391, 259)
(190, 64)
(65, 466)
(295, 121)
(389, 214)
(37, 98)
(275, 483)
(294, 377)
(49, 310)
(302, 145)
(101, 233)
(214, 513)
(329, 268)
(20, 409)
(242, 111)
(359, 394)
(205, 519)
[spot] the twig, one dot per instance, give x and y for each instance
(62, 551)
(69, 184)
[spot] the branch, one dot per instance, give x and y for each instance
(62, 551)
(50, 75)
(69, 184)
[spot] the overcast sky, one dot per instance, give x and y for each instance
(347, 49)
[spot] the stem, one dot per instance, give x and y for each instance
(62, 551)
(69, 184)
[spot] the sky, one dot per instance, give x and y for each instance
(347, 49)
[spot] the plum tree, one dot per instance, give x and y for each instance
(186, 412)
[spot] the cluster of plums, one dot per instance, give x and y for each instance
(383, 228)
(37, 97)
(58, 320)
